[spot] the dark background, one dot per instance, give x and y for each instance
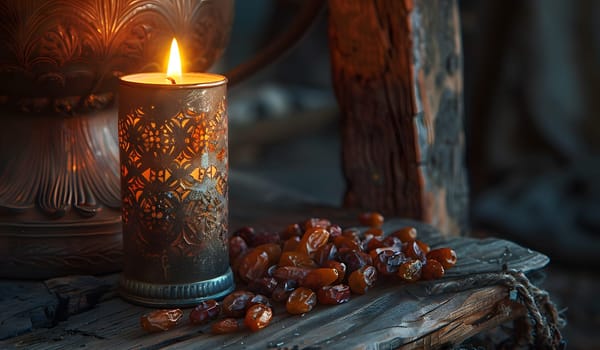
(532, 99)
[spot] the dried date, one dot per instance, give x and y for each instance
(283, 290)
(291, 244)
(225, 326)
(161, 320)
(316, 222)
(406, 234)
(352, 233)
(375, 231)
(303, 267)
(412, 250)
(326, 252)
(362, 279)
(313, 239)
(264, 285)
(300, 301)
(205, 311)
(236, 303)
(388, 261)
(247, 233)
(334, 231)
(432, 269)
(333, 295)
(290, 273)
(258, 317)
(253, 265)
(354, 260)
(445, 256)
(291, 231)
(372, 219)
(424, 246)
(298, 259)
(266, 237)
(374, 243)
(345, 243)
(392, 241)
(320, 277)
(237, 247)
(339, 266)
(410, 271)
(273, 251)
(259, 299)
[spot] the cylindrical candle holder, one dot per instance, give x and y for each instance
(174, 168)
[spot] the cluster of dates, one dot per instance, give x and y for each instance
(309, 263)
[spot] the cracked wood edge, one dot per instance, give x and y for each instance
(27, 305)
(485, 316)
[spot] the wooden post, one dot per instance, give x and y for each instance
(397, 68)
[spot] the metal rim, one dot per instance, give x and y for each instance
(176, 295)
(218, 81)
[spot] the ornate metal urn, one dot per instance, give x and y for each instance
(59, 65)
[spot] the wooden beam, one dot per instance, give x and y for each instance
(397, 73)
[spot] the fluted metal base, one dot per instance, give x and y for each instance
(59, 195)
(176, 295)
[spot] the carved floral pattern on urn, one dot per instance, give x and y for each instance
(65, 55)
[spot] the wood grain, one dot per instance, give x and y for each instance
(25, 305)
(389, 316)
(397, 74)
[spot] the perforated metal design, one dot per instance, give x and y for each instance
(174, 165)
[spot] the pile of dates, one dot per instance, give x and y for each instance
(315, 262)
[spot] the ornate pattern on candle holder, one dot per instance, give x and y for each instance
(183, 188)
(174, 194)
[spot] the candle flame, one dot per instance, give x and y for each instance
(174, 70)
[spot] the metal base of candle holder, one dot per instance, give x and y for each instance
(176, 295)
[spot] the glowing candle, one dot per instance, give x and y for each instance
(174, 168)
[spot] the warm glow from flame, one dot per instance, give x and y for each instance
(174, 68)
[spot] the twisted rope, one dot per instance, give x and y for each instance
(543, 321)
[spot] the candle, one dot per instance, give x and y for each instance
(174, 167)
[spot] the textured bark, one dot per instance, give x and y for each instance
(397, 74)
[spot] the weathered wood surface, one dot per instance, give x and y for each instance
(24, 306)
(397, 74)
(389, 316)
(28, 305)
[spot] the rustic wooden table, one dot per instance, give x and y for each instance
(85, 311)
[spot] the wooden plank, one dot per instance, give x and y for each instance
(482, 316)
(407, 313)
(25, 305)
(396, 69)
(80, 293)
(390, 315)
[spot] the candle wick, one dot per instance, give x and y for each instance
(171, 80)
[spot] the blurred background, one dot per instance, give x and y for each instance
(532, 100)
(284, 119)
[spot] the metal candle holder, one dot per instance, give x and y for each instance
(59, 156)
(174, 167)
